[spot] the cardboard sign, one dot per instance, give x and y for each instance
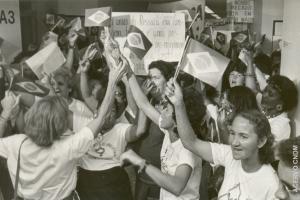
(241, 11)
(165, 31)
(10, 29)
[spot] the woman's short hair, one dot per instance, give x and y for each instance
(263, 130)
(66, 74)
(47, 120)
(287, 90)
(166, 68)
(242, 98)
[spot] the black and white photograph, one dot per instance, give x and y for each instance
(149, 100)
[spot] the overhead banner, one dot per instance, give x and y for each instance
(10, 28)
(164, 33)
(241, 11)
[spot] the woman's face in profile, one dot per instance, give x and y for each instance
(236, 79)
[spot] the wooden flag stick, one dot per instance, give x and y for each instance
(55, 25)
(178, 68)
(192, 23)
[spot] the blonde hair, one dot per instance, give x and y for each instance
(46, 120)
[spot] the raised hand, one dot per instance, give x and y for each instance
(84, 65)
(90, 52)
(72, 37)
(147, 86)
(173, 92)
(117, 71)
(10, 105)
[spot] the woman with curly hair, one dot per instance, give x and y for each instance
(247, 158)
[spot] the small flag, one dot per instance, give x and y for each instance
(25, 85)
(61, 21)
(46, 60)
(240, 37)
(187, 15)
(221, 38)
(204, 63)
(98, 17)
(50, 19)
(137, 42)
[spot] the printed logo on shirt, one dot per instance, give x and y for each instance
(102, 150)
(232, 194)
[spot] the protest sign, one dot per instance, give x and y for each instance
(46, 60)
(204, 63)
(186, 13)
(241, 11)
(165, 31)
(98, 17)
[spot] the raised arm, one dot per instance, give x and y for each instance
(10, 105)
(250, 80)
(130, 100)
(137, 130)
(185, 130)
(115, 75)
(141, 99)
(172, 183)
(70, 55)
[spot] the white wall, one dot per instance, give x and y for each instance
(75, 7)
(290, 63)
(271, 10)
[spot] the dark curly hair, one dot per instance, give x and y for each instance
(287, 91)
(166, 68)
(288, 150)
(263, 130)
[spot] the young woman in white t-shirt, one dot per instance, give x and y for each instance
(248, 174)
(180, 173)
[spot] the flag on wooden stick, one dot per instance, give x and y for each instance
(203, 63)
(46, 60)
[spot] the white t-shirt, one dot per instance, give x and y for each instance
(173, 155)
(46, 173)
(240, 185)
(106, 149)
(280, 127)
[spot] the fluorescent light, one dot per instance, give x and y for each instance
(216, 16)
(208, 10)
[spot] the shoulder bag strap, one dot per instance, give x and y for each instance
(18, 172)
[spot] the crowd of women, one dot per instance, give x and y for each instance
(185, 141)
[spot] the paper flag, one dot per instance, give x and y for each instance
(98, 17)
(50, 19)
(186, 13)
(204, 63)
(46, 60)
(240, 37)
(221, 38)
(137, 42)
(24, 85)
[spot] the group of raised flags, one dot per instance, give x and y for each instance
(197, 59)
